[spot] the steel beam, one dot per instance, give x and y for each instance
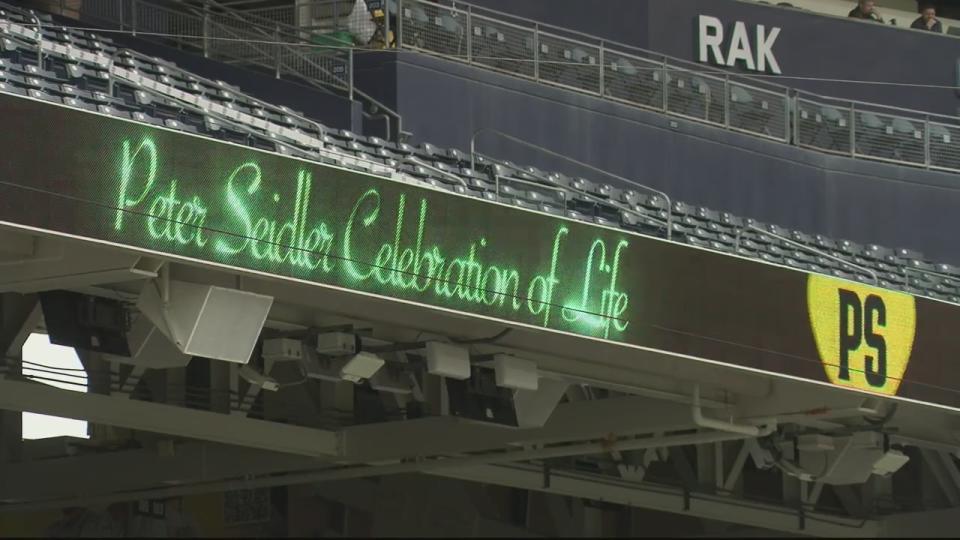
(158, 418)
(127, 470)
(19, 316)
(570, 421)
(665, 499)
(930, 524)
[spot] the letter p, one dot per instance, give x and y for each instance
(851, 329)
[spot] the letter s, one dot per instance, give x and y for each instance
(876, 374)
(238, 208)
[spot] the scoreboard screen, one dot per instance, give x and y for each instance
(193, 198)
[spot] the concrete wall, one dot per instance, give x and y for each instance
(444, 102)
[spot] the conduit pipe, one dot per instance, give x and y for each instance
(768, 427)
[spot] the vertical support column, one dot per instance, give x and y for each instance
(276, 39)
(469, 30)
(133, 18)
(206, 31)
(175, 391)
(19, 315)
(536, 52)
(853, 130)
(727, 97)
(398, 35)
(786, 116)
(11, 422)
(796, 119)
(386, 24)
(602, 63)
(664, 87)
(927, 161)
(350, 71)
(220, 386)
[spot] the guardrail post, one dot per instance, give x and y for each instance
(469, 30)
(121, 15)
(536, 52)
(786, 116)
(602, 68)
(665, 101)
(853, 130)
(398, 36)
(927, 158)
(133, 18)
(386, 24)
(276, 40)
(350, 70)
(796, 118)
(727, 96)
(39, 39)
(206, 31)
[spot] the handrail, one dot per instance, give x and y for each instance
(473, 152)
(290, 47)
(864, 269)
(136, 54)
(435, 169)
(907, 269)
(39, 39)
(294, 31)
(898, 147)
(660, 57)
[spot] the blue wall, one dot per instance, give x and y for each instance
(809, 46)
(444, 102)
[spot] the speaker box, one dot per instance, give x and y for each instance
(208, 321)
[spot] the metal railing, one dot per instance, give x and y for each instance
(644, 79)
(761, 232)
(233, 36)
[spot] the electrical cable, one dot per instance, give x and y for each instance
(38, 364)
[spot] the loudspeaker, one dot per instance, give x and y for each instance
(86, 322)
(208, 321)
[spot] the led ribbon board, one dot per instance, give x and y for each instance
(102, 178)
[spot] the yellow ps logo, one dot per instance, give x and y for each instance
(864, 334)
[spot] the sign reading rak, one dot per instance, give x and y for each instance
(752, 50)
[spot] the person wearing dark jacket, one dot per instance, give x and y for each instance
(928, 20)
(866, 9)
